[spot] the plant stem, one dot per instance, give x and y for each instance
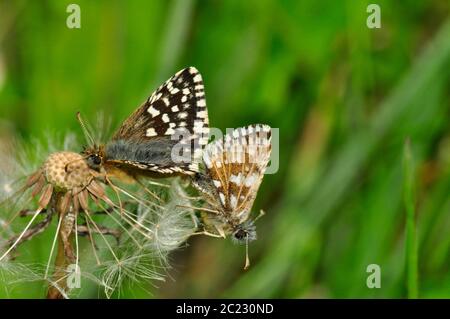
(411, 244)
(61, 263)
(58, 288)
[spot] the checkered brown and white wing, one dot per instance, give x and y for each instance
(175, 112)
(236, 166)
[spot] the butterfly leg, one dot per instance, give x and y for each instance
(207, 233)
(261, 214)
(220, 232)
(209, 223)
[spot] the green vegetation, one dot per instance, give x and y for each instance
(349, 192)
(411, 244)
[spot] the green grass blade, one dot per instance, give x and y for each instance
(409, 202)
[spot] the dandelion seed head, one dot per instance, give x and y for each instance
(173, 223)
(135, 266)
(18, 159)
(67, 170)
(150, 230)
(167, 227)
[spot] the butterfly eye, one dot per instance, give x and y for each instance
(94, 161)
(245, 232)
(240, 234)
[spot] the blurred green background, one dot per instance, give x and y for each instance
(345, 98)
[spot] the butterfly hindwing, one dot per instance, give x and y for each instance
(236, 165)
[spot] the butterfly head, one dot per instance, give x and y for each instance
(244, 233)
(94, 156)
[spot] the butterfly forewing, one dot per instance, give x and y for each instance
(236, 165)
(174, 114)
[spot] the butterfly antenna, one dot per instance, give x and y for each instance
(247, 259)
(86, 132)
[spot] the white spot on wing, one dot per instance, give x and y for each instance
(165, 118)
(202, 114)
(250, 180)
(182, 115)
(153, 112)
(236, 179)
(217, 183)
(233, 201)
(222, 198)
(155, 97)
(169, 131)
(151, 132)
(197, 78)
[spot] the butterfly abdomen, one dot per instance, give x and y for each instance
(157, 152)
(152, 157)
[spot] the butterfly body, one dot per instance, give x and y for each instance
(163, 137)
(234, 170)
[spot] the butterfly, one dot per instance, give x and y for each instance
(165, 136)
(234, 169)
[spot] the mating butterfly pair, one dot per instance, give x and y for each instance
(175, 117)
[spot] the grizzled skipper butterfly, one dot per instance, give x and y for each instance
(234, 169)
(175, 115)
